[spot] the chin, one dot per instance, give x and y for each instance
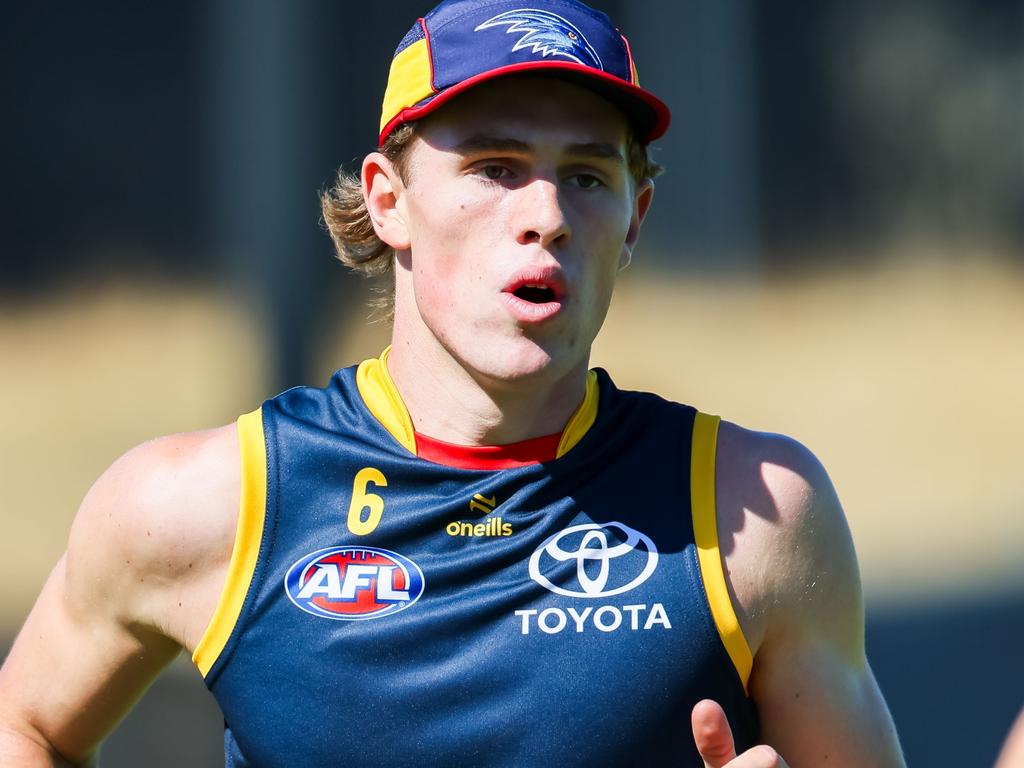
(517, 366)
(522, 360)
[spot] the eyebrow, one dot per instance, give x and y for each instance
(481, 142)
(596, 149)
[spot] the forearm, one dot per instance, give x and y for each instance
(69, 678)
(18, 748)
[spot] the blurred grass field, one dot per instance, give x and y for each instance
(908, 383)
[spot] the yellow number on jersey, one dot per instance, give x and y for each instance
(362, 499)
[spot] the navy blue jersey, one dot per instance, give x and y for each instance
(385, 609)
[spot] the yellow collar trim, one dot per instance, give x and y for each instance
(380, 394)
(583, 419)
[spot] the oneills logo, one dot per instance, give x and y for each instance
(492, 526)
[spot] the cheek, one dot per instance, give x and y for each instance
(433, 238)
(452, 236)
(606, 232)
(439, 269)
(617, 220)
(432, 282)
(429, 290)
(446, 219)
(620, 223)
(606, 216)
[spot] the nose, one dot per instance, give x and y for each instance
(541, 215)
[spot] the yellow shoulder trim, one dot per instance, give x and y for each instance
(381, 396)
(408, 81)
(583, 419)
(705, 530)
(248, 535)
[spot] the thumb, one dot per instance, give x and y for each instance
(712, 734)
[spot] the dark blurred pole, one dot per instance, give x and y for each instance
(262, 174)
(699, 57)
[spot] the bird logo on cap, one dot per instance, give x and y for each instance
(546, 33)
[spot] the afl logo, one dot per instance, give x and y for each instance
(630, 554)
(354, 583)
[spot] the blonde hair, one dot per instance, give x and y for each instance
(347, 219)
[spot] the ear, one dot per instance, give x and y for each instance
(641, 204)
(382, 191)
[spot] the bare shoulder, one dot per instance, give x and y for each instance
(155, 533)
(786, 544)
(792, 571)
(143, 570)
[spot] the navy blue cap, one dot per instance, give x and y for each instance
(462, 43)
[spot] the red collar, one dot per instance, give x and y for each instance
(520, 454)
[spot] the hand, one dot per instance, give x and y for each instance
(713, 736)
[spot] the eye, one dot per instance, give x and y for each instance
(587, 181)
(495, 172)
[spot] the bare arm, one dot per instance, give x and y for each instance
(23, 749)
(1012, 755)
(137, 583)
(794, 579)
(70, 677)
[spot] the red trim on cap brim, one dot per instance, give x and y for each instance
(660, 110)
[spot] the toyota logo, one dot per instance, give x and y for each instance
(589, 543)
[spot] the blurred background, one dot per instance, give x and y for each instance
(836, 252)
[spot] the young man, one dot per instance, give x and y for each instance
(473, 550)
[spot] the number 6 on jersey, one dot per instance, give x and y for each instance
(363, 499)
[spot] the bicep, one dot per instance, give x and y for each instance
(102, 628)
(794, 571)
(821, 705)
(74, 669)
(819, 701)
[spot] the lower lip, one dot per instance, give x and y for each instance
(528, 312)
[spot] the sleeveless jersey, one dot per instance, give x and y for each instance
(383, 609)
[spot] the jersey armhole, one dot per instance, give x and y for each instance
(705, 531)
(248, 536)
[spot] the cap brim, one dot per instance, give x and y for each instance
(649, 115)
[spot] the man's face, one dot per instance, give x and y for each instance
(520, 210)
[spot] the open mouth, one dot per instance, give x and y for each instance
(535, 294)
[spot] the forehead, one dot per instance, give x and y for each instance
(533, 108)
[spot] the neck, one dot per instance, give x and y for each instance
(449, 402)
